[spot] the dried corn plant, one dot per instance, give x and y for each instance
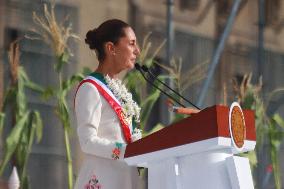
(246, 87)
(174, 71)
(184, 80)
(248, 96)
(145, 58)
(54, 34)
(27, 124)
(14, 59)
(267, 126)
(57, 37)
(194, 75)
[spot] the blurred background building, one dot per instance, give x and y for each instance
(255, 45)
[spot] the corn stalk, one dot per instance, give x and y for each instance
(57, 35)
(267, 126)
(27, 123)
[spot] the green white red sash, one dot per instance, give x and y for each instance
(113, 102)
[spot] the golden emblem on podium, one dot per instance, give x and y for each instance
(237, 125)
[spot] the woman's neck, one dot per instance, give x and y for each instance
(106, 69)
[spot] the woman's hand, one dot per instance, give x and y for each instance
(187, 111)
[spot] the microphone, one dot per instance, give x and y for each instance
(138, 67)
(146, 69)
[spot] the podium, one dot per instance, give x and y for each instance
(199, 152)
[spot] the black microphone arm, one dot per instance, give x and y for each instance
(146, 69)
(138, 67)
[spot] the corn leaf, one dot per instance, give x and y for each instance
(68, 84)
(47, 93)
(21, 98)
(156, 128)
(86, 71)
(147, 106)
(13, 140)
(37, 121)
(63, 113)
(62, 60)
(2, 118)
(275, 139)
(251, 155)
(279, 120)
(35, 130)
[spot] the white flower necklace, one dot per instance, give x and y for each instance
(129, 107)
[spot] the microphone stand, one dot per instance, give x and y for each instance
(138, 67)
(146, 69)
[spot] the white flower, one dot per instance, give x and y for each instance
(129, 106)
(136, 135)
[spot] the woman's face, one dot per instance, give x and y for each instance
(126, 51)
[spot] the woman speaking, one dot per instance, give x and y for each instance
(105, 111)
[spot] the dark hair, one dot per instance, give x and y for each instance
(108, 31)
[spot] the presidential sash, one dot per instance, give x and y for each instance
(113, 102)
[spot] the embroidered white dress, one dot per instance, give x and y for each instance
(101, 139)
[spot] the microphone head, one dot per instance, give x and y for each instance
(137, 66)
(145, 68)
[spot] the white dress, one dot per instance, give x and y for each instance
(102, 140)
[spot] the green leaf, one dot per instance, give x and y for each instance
(279, 120)
(63, 113)
(13, 140)
(135, 83)
(22, 74)
(9, 96)
(86, 71)
(25, 183)
(248, 101)
(134, 80)
(156, 128)
(147, 106)
(47, 93)
(34, 129)
(34, 87)
(38, 125)
(179, 117)
(68, 84)
(2, 118)
(21, 98)
(252, 158)
(275, 139)
(61, 60)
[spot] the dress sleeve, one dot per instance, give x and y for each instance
(88, 113)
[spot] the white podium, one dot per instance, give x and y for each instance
(199, 152)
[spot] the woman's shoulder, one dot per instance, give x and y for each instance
(86, 87)
(86, 95)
